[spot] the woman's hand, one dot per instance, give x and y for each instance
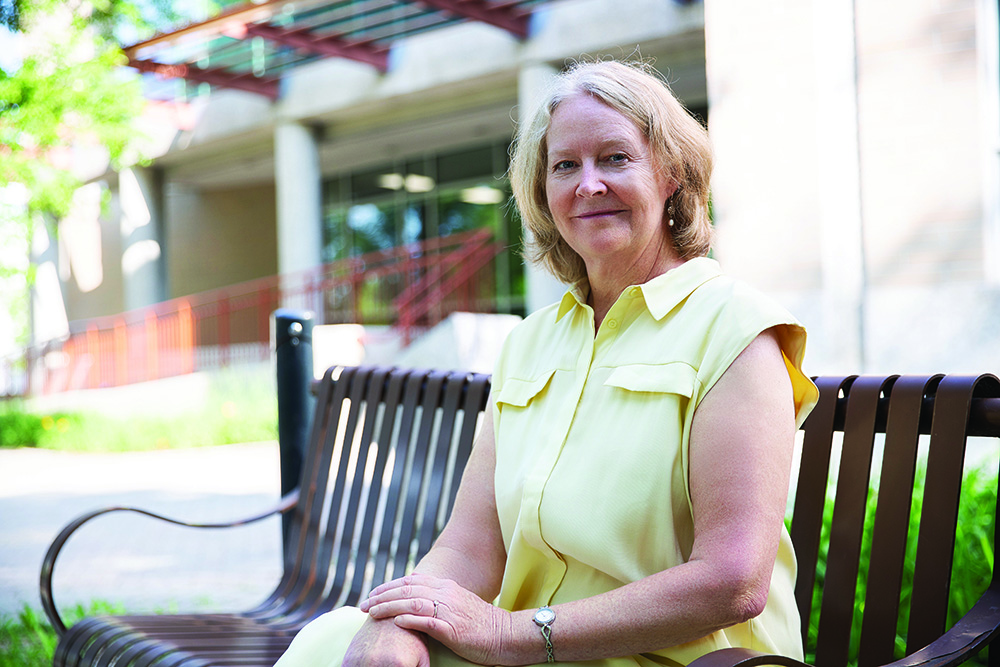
(385, 644)
(472, 628)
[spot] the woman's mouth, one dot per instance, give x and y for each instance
(598, 214)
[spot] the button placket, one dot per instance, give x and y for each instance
(534, 485)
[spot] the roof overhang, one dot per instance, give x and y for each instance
(251, 46)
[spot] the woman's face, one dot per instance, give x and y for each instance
(603, 187)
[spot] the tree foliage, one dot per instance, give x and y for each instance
(69, 90)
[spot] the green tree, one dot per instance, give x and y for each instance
(69, 89)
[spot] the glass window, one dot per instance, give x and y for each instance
(419, 198)
(463, 210)
(372, 226)
(467, 164)
(336, 235)
(414, 230)
(376, 182)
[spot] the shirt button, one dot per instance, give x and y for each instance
(612, 324)
(635, 291)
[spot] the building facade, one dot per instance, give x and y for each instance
(857, 176)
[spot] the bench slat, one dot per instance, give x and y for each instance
(847, 527)
(936, 542)
(810, 496)
(387, 390)
(892, 519)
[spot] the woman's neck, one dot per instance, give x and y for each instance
(609, 281)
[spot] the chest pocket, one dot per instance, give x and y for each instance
(519, 393)
(675, 378)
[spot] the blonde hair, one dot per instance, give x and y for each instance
(678, 142)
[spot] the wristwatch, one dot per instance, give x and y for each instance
(544, 618)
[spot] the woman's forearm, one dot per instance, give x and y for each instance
(673, 607)
(480, 573)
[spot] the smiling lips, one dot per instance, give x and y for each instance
(598, 214)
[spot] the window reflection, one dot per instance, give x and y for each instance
(413, 223)
(417, 199)
(373, 227)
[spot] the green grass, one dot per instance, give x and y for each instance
(235, 411)
(27, 640)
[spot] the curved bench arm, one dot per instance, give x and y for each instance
(286, 503)
(743, 657)
(966, 638)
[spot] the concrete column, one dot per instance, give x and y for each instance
(48, 307)
(532, 83)
(786, 193)
(144, 274)
(839, 179)
(298, 189)
(987, 47)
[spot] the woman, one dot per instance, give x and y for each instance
(624, 502)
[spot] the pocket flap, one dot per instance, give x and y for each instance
(676, 378)
(519, 392)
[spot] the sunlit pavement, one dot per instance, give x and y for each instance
(129, 560)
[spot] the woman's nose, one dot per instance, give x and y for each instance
(591, 184)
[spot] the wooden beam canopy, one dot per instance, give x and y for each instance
(214, 76)
(502, 15)
(292, 32)
(333, 47)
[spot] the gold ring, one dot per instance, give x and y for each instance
(435, 615)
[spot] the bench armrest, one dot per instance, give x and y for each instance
(743, 657)
(966, 638)
(285, 504)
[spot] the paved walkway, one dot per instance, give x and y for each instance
(134, 561)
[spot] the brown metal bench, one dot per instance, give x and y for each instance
(333, 563)
(352, 523)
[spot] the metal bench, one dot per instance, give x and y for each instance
(356, 524)
(363, 513)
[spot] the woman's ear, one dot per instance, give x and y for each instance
(672, 185)
(670, 188)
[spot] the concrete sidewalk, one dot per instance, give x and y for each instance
(137, 562)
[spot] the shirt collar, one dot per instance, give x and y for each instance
(661, 294)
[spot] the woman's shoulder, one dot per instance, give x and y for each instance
(728, 298)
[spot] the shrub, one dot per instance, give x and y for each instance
(239, 408)
(19, 429)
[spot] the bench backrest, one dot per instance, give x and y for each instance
(858, 410)
(388, 447)
(379, 478)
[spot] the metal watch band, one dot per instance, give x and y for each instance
(544, 618)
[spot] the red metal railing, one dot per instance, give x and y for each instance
(409, 287)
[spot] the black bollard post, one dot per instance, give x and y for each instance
(291, 336)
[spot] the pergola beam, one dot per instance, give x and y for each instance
(213, 76)
(236, 15)
(502, 16)
(326, 46)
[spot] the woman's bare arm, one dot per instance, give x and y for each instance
(470, 549)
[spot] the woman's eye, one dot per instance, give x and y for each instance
(617, 158)
(563, 164)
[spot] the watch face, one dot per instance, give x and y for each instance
(544, 616)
